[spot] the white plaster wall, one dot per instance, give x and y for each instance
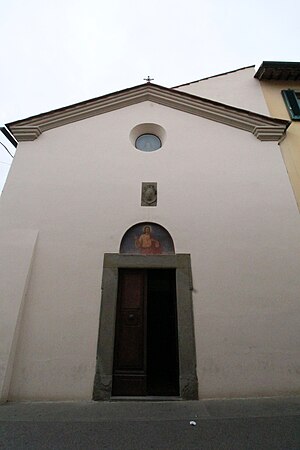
(225, 198)
(16, 254)
(237, 88)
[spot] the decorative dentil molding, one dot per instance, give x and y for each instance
(262, 127)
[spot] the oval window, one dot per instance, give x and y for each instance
(148, 143)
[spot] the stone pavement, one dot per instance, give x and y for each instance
(262, 423)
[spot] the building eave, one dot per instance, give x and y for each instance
(263, 127)
(278, 71)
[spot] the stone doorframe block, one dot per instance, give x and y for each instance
(186, 339)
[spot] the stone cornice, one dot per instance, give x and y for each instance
(27, 133)
(263, 127)
(267, 133)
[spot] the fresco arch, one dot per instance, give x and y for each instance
(147, 238)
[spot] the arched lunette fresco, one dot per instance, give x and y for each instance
(147, 238)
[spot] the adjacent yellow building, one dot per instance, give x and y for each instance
(280, 82)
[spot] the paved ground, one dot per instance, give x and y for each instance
(216, 424)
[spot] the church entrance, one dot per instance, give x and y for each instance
(146, 343)
(146, 359)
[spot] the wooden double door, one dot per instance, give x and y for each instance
(146, 335)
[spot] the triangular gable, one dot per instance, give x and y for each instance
(263, 127)
(213, 76)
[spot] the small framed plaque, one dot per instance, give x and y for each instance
(149, 194)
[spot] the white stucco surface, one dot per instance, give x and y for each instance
(16, 252)
(225, 198)
(237, 88)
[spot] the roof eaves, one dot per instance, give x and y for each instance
(9, 136)
(278, 71)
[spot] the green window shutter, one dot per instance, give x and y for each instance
(292, 103)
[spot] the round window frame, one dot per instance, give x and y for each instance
(157, 141)
(147, 128)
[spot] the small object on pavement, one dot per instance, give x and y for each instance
(193, 423)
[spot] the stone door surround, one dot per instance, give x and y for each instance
(186, 340)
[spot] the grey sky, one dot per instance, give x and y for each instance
(58, 52)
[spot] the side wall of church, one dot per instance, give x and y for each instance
(238, 88)
(224, 197)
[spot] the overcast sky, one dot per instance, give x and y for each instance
(58, 52)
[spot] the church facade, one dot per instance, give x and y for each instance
(150, 248)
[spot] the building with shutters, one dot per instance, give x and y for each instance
(150, 248)
(280, 82)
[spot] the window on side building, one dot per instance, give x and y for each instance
(292, 101)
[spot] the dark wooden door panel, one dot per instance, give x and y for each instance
(129, 357)
(130, 349)
(129, 385)
(131, 284)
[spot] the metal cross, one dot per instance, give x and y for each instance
(148, 79)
